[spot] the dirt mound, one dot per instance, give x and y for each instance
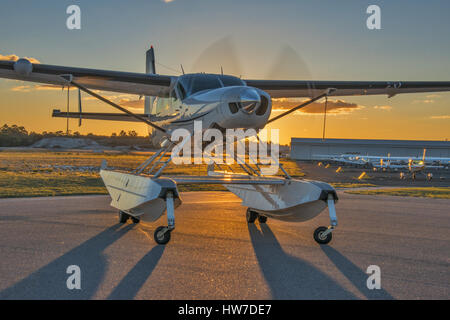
(67, 143)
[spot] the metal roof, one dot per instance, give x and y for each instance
(393, 143)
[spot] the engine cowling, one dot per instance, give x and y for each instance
(23, 67)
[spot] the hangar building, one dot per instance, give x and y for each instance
(312, 148)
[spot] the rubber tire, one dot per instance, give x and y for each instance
(262, 219)
(135, 220)
(166, 236)
(318, 231)
(123, 217)
(251, 216)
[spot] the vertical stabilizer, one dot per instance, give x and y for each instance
(150, 61)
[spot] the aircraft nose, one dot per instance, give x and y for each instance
(245, 99)
(249, 100)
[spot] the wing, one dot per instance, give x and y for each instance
(96, 116)
(125, 82)
(294, 88)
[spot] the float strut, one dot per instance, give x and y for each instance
(332, 213)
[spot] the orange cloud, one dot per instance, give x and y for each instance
(13, 57)
(444, 117)
(38, 87)
(22, 88)
(333, 106)
(132, 104)
(42, 87)
(427, 101)
(386, 108)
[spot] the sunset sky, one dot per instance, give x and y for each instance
(285, 39)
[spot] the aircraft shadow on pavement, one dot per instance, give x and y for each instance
(353, 273)
(49, 282)
(13, 218)
(135, 279)
(290, 277)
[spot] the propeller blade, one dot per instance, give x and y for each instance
(289, 65)
(220, 53)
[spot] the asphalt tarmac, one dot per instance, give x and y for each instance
(215, 254)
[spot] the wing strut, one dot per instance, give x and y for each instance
(67, 110)
(69, 79)
(320, 96)
(325, 117)
(80, 111)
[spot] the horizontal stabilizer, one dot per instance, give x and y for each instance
(96, 116)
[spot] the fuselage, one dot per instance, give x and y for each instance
(218, 101)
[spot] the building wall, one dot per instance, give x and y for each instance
(311, 149)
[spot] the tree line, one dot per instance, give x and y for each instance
(18, 136)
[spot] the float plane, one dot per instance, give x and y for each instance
(219, 101)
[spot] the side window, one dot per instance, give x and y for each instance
(176, 104)
(162, 106)
(173, 95)
(181, 91)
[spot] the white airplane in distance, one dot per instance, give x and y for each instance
(414, 165)
(219, 101)
(388, 157)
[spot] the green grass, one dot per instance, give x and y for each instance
(429, 192)
(38, 184)
(351, 185)
(36, 173)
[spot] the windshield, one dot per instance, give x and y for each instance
(229, 81)
(193, 83)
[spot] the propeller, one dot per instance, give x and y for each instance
(221, 55)
(288, 64)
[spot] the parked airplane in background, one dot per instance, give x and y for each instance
(413, 165)
(219, 101)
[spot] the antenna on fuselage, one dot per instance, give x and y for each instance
(182, 69)
(221, 70)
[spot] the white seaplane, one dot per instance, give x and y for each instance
(218, 101)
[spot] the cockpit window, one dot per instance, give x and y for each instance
(193, 83)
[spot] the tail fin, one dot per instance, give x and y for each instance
(150, 61)
(149, 69)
